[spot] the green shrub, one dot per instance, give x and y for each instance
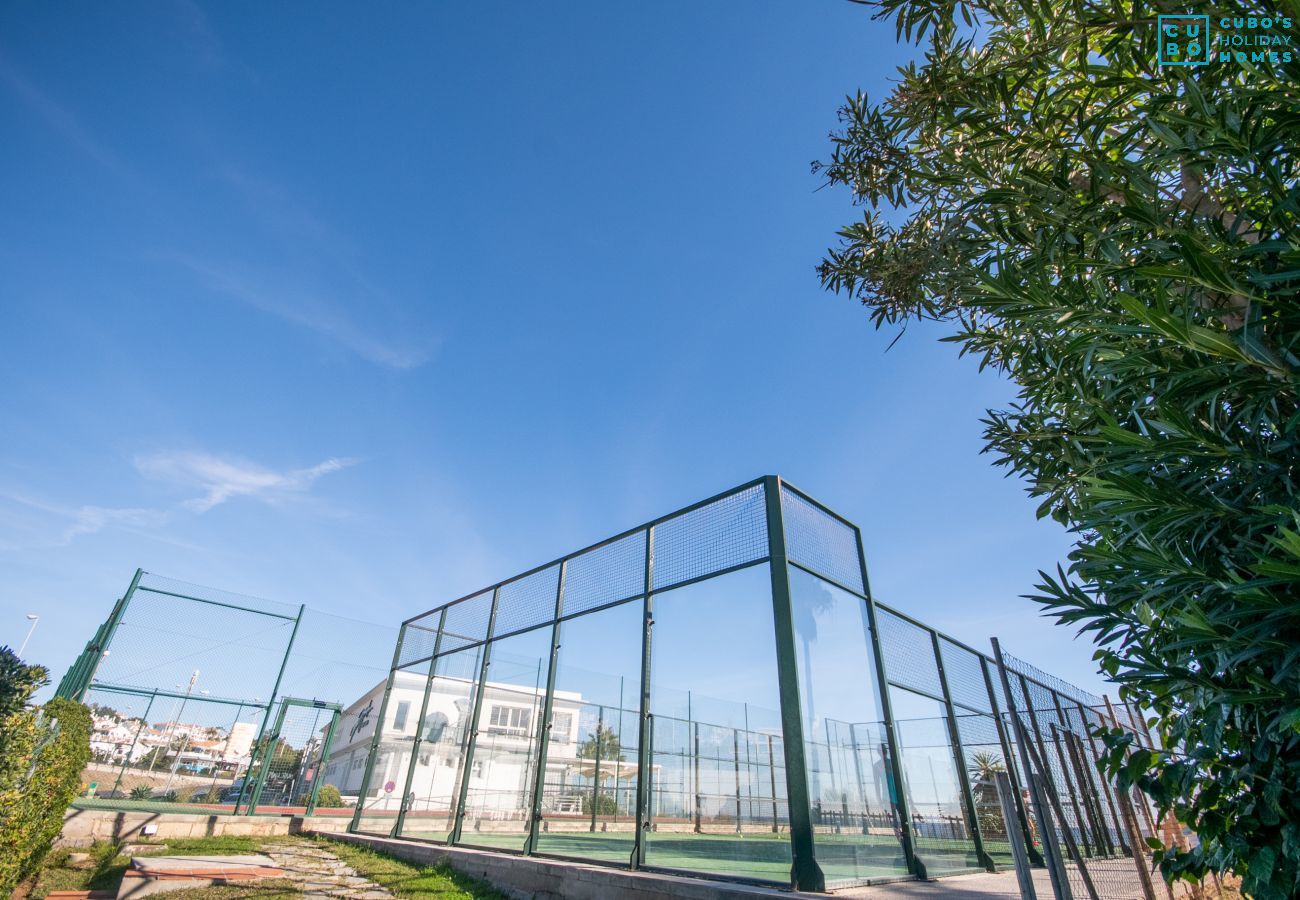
(32, 806)
(329, 796)
(605, 805)
(18, 681)
(141, 792)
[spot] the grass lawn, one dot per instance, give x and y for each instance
(106, 865)
(411, 880)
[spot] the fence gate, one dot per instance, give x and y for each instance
(287, 769)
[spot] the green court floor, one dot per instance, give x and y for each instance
(766, 857)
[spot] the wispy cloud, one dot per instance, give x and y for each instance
(61, 121)
(223, 478)
(90, 519)
(313, 312)
(77, 521)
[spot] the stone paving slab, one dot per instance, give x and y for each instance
(321, 874)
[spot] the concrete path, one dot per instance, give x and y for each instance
(320, 873)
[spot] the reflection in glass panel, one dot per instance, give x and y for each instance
(589, 796)
(439, 742)
(984, 760)
(717, 796)
(346, 766)
(849, 780)
(940, 833)
(498, 804)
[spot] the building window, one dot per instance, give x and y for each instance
(510, 719)
(403, 710)
(561, 725)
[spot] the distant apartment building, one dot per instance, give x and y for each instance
(503, 769)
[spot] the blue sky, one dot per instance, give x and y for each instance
(368, 308)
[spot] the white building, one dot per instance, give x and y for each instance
(501, 779)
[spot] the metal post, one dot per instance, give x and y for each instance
(544, 727)
(1135, 829)
(144, 720)
(320, 766)
(735, 744)
(275, 692)
(595, 777)
(771, 768)
(1042, 750)
(1087, 789)
(467, 766)
(372, 757)
(106, 637)
(1022, 816)
(419, 728)
(695, 765)
(645, 760)
(1046, 789)
(899, 796)
(862, 784)
(806, 875)
(1076, 794)
(1024, 877)
(1146, 811)
(1091, 796)
(959, 752)
(1105, 785)
(1051, 850)
(830, 767)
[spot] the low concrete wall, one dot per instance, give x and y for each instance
(82, 827)
(534, 878)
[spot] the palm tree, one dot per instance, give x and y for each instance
(984, 768)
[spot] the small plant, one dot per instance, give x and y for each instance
(141, 792)
(329, 796)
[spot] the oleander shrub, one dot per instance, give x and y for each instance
(40, 774)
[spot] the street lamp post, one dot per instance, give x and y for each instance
(33, 618)
(185, 739)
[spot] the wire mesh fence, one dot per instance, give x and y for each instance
(186, 684)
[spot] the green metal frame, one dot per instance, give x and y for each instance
(82, 673)
(1051, 850)
(645, 723)
(471, 741)
(1018, 802)
(544, 726)
(366, 775)
(268, 755)
(326, 747)
(915, 864)
(963, 777)
(806, 875)
(419, 726)
(275, 689)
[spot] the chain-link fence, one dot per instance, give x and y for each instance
(208, 701)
